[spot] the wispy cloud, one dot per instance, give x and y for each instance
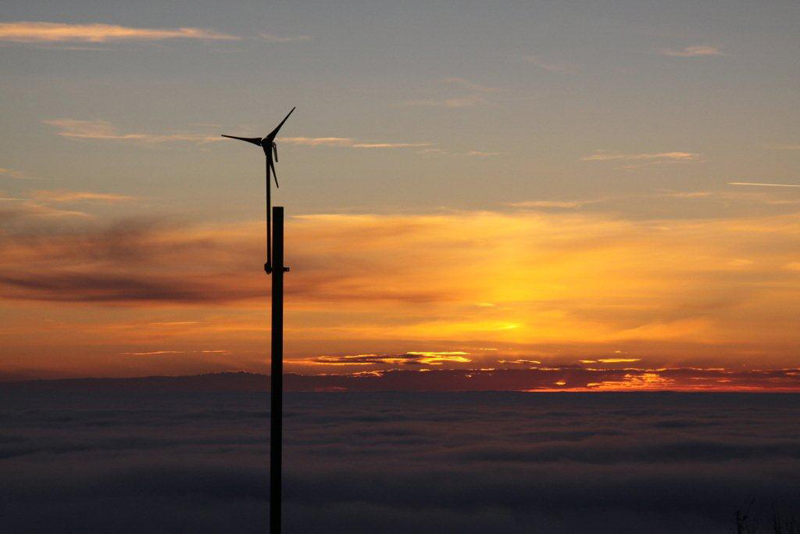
(24, 210)
(64, 196)
(452, 102)
(174, 323)
(612, 360)
(319, 141)
(687, 194)
(521, 361)
(637, 161)
(563, 378)
(550, 66)
(762, 184)
(784, 147)
(408, 358)
(11, 173)
(172, 352)
(558, 204)
(390, 145)
(467, 94)
(55, 32)
(346, 142)
(602, 155)
(433, 151)
(272, 38)
(482, 154)
(104, 130)
(691, 51)
(468, 85)
(153, 353)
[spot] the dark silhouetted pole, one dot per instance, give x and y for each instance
(276, 409)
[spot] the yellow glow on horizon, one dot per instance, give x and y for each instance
(571, 280)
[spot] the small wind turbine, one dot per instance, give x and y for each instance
(270, 151)
(276, 375)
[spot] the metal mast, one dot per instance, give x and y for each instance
(276, 410)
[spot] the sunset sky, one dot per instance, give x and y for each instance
(608, 187)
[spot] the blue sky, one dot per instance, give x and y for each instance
(536, 87)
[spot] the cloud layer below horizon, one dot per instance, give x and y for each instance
(399, 463)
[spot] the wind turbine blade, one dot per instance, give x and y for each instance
(275, 151)
(274, 132)
(274, 174)
(254, 140)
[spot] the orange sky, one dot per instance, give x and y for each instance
(513, 288)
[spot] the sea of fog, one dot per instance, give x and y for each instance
(397, 462)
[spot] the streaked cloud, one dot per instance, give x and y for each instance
(153, 353)
(105, 131)
(24, 210)
(452, 102)
(456, 93)
(390, 145)
(272, 38)
(55, 32)
(561, 378)
(175, 323)
(408, 358)
(12, 173)
(612, 360)
(638, 161)
(64, 196)
(468, 85)
(482, 154)
(602, 155)
(550, 66)
(688, 194)
(319, 141)
(762, 184)
(691, 51)
(545, 204)
(346, 142)
(174, 352)
(785, 147)
(128, 262)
